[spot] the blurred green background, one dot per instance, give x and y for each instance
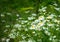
(29, 20)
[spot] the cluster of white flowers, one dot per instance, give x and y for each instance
(17, 25)
(55, 4)
(31, 18)
(2, 15)
(13, 33)
(7, 26)
(57, 21)
(58, 9)
(43, 9)
(33, 14)
(24, 21)
(47, 32)
(38, 23)
(53, 38)
(17, 15)
(9, 14)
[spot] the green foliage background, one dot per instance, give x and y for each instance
(29, 20)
